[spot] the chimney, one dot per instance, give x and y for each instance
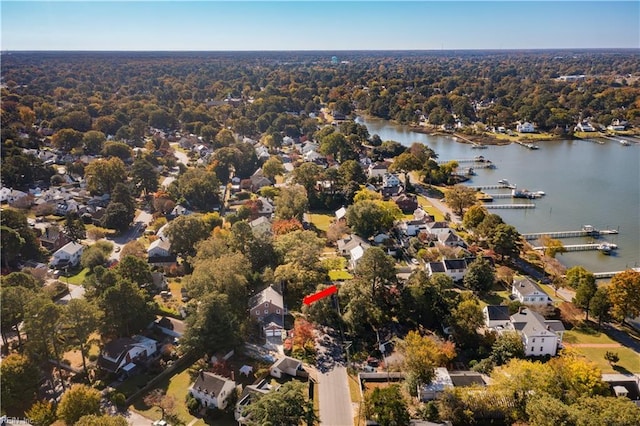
(201, 373)
(520, 309)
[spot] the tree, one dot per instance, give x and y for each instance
(79, 320)
(273, 167)
(506, 241)
(103, 175)
(133, 248)
(12, 307)
(134, 269)
(66, 139)
(41, 317)
(422, 354)
(93, 141)
(291, 202)
(42, 413)
(624, 293)
(465, 320)
(474, 216)
(611, 357)
(144, 175)
(552, 246)
(480, 275)
(212, 327)
(10, 245)
(508, 346)
(368, 217)
(200, 188)
(460, 197)
(377, 268)
(184, 232)
(96, 255)
(288, 406)
(117, 149)
(78, 401)
(386, 406)
(351, 171)
(126, 309)
(19, 379)
(544, 410)
(600, 410)
(117, 216)
(74, 227)
(586, 287)
(601, 305)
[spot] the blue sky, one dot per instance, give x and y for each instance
(318, 25)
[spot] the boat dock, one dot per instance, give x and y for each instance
(479, 159)
(498, 196)
(527, 145)
(600, 275)
(585, 232)
(585, 247)
(510, 206)
(499, 186)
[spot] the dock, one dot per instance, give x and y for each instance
(498, 196)
(510, 206)
(584, 247)
(527, 145)
(569, 234)
(498, 186)
(479, 159)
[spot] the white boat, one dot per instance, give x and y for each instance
(624, 142)
(607, 248)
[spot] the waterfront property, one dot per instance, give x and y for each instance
(529, 293)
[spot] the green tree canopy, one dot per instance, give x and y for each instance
(78, 401)
(288, 406)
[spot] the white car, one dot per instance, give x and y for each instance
(414, 261)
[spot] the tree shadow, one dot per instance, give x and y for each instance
(620, 369)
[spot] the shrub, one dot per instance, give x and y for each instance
(118, 399)
(192, 403)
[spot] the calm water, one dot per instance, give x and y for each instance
(586, 183)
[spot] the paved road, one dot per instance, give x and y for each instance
(335, 400)
(142, 219)
(181, 156)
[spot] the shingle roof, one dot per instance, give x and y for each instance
(212, 383)
(270, 295)
(526, 287)
(498, 312)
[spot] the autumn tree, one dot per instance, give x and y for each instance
(19, 380)
(273, 167)
(460, 198)
(288, 406)
(422, 354)
(624, 293)
(386, 406)
(103, 175)
(291, 203)
(78, 401)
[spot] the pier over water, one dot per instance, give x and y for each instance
(586, 231)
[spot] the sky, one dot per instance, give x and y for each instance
(317, 25)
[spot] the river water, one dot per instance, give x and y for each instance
(585, 182)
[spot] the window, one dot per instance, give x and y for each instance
(277, 311)
(257, 312)
(543, 340)
(533, 340)
(266, 311)
(541, 348)
(532, 349)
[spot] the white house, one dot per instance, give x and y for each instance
(68, 255)
(433, 390)
(286, 365)
(496, 316)
(266, 207)
(529, 293)
(540, 337)
(450, 239)
(10, 195)
(159, 248)
(377, 169)
(525, 127)
(585, 127)
(455, 268)
(260, 226)
(341, 213)
(437, 228)
(345, 245)
(390, 180)
(211, 390)
(121, 355)
(356, 254)
(312, 156)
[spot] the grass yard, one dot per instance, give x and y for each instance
(77, 279)
(321, 220)
(336, 275)
(424, 203)
(354, 392)
(551, 292)
(495, 298)
(582, 336)
(177, 387)
(629, 359)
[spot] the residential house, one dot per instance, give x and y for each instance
(123, 354)
(496, 316)
(617, 125)
(450, 239)
(434, 390)
(454, 268)
(249, 394)
(529, 293)
(413, 227)
(260, 226)
(378, 170)
(286, 365)
(540, 337)
(268, 307)
(258, 181)
(390, 180)
(178, 211)
(68, 255)
(11, 196)
(624, 386)
(159, 253)
(525, 127)
(345, 245)
(355, 255)
(380, 238)
(312, 156)
(159, 280)
(341, 214)
(266, 207)
(408, 203)
(212, 390)
(438, 228)
(585, 126)
(171, 327)
(53, 238)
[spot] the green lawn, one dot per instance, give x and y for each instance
(77, 279)
(336, 275)
(551, 292)
(424, 203)
(177, 387)
(629, 359)
(495, 298)
(586, 336)
(322, 220)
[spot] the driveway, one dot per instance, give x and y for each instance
(181, 156)
(335, 400)
(139, 223)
